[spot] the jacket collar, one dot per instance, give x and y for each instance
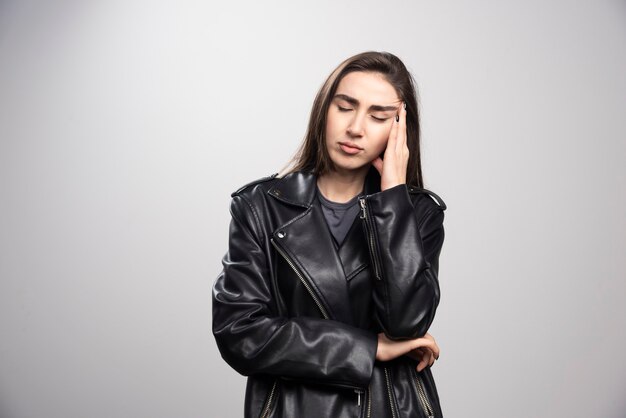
(298, 187)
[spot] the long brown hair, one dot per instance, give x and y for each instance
(312, 155)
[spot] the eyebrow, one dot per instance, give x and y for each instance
(355, 102)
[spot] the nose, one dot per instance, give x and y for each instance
(356, 125)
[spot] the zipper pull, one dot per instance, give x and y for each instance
(358, 397)
(362, 202)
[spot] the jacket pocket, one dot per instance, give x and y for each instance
(269, 401)
(422, 395)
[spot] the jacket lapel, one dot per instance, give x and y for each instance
(307, 241)
(353, 253)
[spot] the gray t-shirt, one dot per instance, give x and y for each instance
(339, 216)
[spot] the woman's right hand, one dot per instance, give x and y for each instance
(390, 349)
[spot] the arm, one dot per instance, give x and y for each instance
(252, 338)
(404, 243)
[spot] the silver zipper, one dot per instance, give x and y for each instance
(370, 238)
(302, 279)
(369, 401)
(358, 396)
(393, 409)
(266, 412)
(421, 394)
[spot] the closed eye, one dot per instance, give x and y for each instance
(343, 109)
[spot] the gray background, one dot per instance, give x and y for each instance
(125, 125)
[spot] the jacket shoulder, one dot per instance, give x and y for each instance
(252, 183)
(414, 190)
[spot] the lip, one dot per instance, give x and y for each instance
(350, 144)
(349, 150)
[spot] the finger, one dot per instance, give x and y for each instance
(421, 349)
(430, 356)
(422, 364)
(436, 351)
(401, 131)
(391, 141)
(425, 342)
(405, 346)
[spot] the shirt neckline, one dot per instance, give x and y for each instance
(338, 205)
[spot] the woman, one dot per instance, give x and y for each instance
(330, 282)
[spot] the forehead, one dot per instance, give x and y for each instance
(367, 88)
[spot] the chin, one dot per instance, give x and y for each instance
(354, 164)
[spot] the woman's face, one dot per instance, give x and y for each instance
(360, 115)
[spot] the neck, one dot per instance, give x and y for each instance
(342, 185)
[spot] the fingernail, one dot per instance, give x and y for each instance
(397, 118)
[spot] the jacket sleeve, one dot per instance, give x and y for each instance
(252, 338)
(404, 249)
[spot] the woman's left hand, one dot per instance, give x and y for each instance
(392, 169)
(424, 355)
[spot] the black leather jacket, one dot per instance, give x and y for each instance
(300, 317)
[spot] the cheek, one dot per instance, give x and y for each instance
(330, 130)
(330, 125)
(380, 147)
(381, 137)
